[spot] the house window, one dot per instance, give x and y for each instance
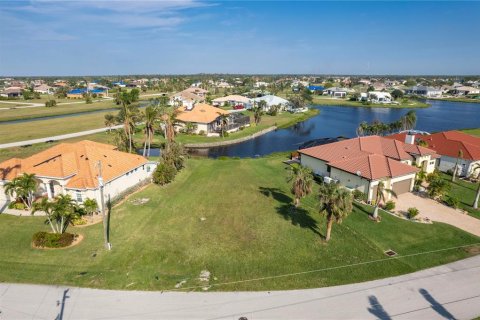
(148, 168)
(78, 196)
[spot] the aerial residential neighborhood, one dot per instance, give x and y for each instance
(239, 160)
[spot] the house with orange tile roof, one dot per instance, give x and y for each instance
(207, 119)
(361, 163)
(448, 144)
(73, 168)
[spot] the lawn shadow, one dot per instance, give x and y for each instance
(362, 209)
(377, 309)
(297, 216)
(437, 306)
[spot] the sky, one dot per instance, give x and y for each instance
(48, 38)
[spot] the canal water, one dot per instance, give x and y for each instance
(335, 121)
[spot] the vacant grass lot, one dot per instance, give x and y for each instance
(465, 192)
(45, 128)
(38, 112)
(234, 219)
(473, 132)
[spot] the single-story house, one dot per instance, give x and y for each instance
(186, 99)
(44, 89)
(379, 97)
(72, 168)
(11, 92)
(337, 92)
(424, 91)
(361, 163)
(271, 101)
(316, 89)
(197, 91)
(464, 90)
(79, 93)
(447, 144)
(232, 100)
(207, 119)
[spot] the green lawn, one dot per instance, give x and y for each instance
(468, 100)
(30, 113)
(465, 192)
(249, 231)
(473, 132)
(321, 100)
(45, 128)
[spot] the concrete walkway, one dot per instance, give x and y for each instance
(446, 292)
(438, 212)
(56, 138)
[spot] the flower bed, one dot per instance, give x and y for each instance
(44, 239)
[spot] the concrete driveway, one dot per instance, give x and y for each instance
(438, 212)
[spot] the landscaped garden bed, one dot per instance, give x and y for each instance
(43, 240)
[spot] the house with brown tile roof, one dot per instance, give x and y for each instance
(207, 119)
(73, 168)
(361, 163)
(448, 144)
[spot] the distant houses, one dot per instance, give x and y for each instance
(337, 92)
(80, 93)
(11, 92)
(271, 101)
(233, 100)
(425, 91)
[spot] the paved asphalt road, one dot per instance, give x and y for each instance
(445, 292)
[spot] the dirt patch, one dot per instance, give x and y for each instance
(474, 250)
(77, 240)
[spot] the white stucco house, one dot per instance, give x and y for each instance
(272, 100)
(361, 163)
(73, 169)
(233, 100)
(379, 97)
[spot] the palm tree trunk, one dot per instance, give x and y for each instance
(329, 228)
(50, 223)
(145, 144)
(375, 212)
(477, 197)
(455, 171)
(297, 202)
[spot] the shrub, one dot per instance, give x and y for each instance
(452, 202)
(17, 206)
(412, 213)
(78, 221)
(51, 103)
(201, 133)
(165, 173)
(389, 205)
(359, 195)
(52, 240)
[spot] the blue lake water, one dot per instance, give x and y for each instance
(334, 121)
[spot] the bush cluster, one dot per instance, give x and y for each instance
(359, 195)
(412, 213)
(17, 206)
(52, 240)
(165, 173)
(452, 202)
(389, 205)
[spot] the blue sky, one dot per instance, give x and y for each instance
(188, 36)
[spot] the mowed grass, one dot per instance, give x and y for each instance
(38, 112)
(233, 218)
(45, 128)
(465, 192)
(321, 100)
(473, 132)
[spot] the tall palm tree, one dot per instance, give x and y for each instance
(380, 196)
(455, 169)
(258, 111)
(110, 121)
(22, 187)
(302, 181)
(169, 117)
(59, 212)
(335, 203)
(409, 120)
(150, 116)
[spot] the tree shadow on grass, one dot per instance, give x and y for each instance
(297, 216)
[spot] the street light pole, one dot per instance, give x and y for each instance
(102, 200)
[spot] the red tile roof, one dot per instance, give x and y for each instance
(371, 157)
(448, 143)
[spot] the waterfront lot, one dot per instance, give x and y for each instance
(233, 218)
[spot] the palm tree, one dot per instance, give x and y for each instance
(409, 120)
(169, 118)
(59, 212)
(22, 187)
(258, 111)
(110, 121)
(223, 123)
(380, 196)
(150, 116)
(302, 180)
(455, 169)
(335, 203)
(90, 206)
(362, 129)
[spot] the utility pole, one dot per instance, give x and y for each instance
(102, 200)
